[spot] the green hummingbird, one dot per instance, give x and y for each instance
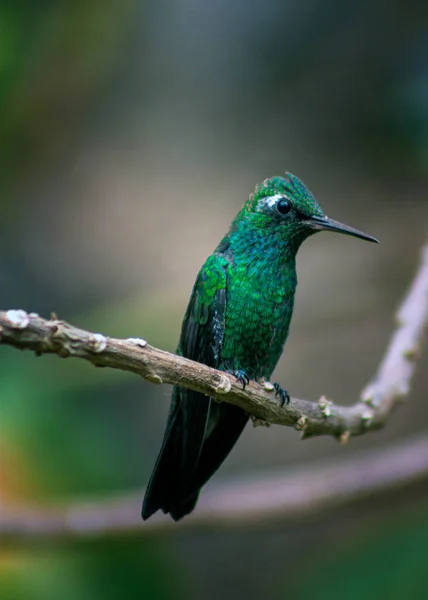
(237, 321)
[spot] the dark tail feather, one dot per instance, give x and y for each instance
(174, 487)
(183, 507)
(178, 457)
(163, 479)
(164, 491)
(230, 424)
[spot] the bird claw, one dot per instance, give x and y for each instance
(242, 377)
(283, 394)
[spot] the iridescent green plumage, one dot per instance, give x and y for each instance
(237, 320)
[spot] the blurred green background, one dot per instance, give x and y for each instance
(131, 133)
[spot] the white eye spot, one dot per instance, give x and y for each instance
(272, 200)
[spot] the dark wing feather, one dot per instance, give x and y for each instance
(201, 340)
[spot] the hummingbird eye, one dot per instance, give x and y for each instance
(283, 206)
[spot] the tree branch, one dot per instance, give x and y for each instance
(301, 493)
(392, 381)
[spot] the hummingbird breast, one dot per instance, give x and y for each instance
(258, 313)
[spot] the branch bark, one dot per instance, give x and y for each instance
(390, 384)
(302, 493)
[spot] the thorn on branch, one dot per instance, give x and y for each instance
(344, 437)
(137, 341)
(325, 406)
(301, 423)
(97, 342)
(411, 353)
(367, 395)
(367, 416)
(259, 422)
(154, 378)
(223, 386)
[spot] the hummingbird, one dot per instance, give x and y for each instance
(237, 321)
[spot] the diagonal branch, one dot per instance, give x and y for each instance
(304, 492)
(392, 381)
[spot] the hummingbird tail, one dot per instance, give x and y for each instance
(182, 508)
(164, 477)
(168, 488)
(191, 453)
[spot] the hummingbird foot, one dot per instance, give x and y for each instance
(242, 377)
(284, 396)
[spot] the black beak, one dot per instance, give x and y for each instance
(332, 225)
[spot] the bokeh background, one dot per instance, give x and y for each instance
(131, 133)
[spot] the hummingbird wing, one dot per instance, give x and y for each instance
(201, 340)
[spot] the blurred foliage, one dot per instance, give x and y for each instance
(386, 561)
(110, 570)
(54, 57)
(131, 133)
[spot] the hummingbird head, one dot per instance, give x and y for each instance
(286, 207)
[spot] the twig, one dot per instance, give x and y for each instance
(300, 494)
(392, 381)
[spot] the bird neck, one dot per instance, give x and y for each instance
(262, 253)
